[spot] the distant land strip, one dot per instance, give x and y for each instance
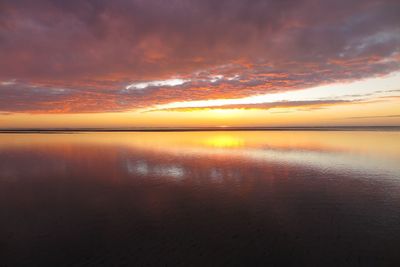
(201, 129)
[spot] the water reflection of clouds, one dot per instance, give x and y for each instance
(204, 169)
(145, 168)
(173, 171)
(203, 157)
(327, 161)
(342, 163)
(216, 175)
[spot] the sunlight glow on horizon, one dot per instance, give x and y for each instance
(376, 102)
(359, 90)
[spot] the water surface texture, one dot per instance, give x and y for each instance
(315, 198)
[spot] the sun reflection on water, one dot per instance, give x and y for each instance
(224, 141)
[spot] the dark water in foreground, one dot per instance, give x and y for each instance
(200, 198)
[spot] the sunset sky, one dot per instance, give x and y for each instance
(175, 63)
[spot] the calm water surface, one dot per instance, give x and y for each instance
(200, 199)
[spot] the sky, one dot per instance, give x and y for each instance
(189, 63)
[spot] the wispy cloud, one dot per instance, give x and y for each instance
(312, 104)
(375, 117)
(164, 83)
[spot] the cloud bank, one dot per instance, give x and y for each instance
(100, 56)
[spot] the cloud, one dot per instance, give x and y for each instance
(32, 99)
(144, 85)
(376, 117)
(182, 50)
(306, 105)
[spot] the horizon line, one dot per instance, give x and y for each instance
(194, 129)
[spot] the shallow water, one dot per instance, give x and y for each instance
(200, 198)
